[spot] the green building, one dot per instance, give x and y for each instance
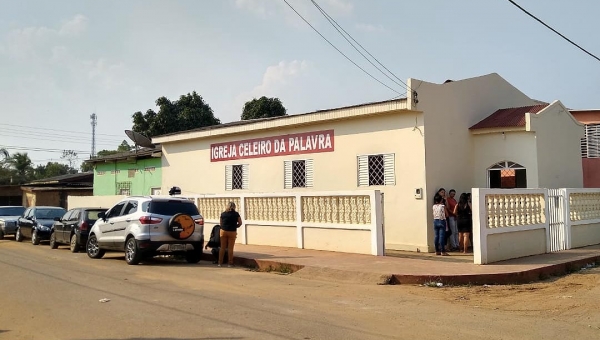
(128, 173)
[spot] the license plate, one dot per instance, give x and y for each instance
(177, 247)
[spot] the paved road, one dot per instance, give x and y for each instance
(53, 294)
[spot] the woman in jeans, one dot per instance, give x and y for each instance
(439, 225)
(230, 221)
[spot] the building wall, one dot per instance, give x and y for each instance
(558, 140)
(54, 198)
(591, 172)
(107, 175)
(516, 146)
(449, 110)
(187, 165)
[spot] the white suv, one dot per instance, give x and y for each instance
(148, 226)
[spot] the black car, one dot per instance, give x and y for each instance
(73, 227)
(36, 222)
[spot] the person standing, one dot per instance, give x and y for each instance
(451, 205)
(439, 225)
(230, 222)
(465, 221)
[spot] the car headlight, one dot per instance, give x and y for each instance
(44, 228)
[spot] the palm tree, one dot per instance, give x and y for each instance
(22, 164)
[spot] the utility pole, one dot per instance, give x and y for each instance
(94, 123)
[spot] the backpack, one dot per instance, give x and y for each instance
(215, 237)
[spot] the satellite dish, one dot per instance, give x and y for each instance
(139, 139)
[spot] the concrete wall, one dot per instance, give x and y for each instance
(516, 146)
(591, 172)
(93, 201)
(187, 165)
(585, 235)
(518, 244)
(558, 140)
(107, 175)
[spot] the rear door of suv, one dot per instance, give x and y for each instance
(165, 209)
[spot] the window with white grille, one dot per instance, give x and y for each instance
(376, 170)
(298, 173)
(236, 177)
(590, 143)
(124, 188)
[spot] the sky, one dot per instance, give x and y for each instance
(61, 61)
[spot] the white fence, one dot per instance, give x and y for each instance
(521, 222)
(347, 221)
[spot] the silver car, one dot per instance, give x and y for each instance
(148, 226)
(8, 219)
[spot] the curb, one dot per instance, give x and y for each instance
(347, 276)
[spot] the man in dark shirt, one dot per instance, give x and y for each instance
(230, 222)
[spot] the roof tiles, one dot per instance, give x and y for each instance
(511, 117)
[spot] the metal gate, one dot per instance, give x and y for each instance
(556, 215)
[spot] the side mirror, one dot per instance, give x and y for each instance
(102, 215)
(57, 219)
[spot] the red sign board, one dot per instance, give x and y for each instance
(292, 144)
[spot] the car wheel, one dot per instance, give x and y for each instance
(133, 255)
(35, 240)
(1, 235)
(93, 249)
(53, 244)
(74, 246)
(18, 235)
(193, 256)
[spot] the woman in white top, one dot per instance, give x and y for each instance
(439, 225)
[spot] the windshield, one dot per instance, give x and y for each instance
(92, 215)
(49, 214)
(11, 211)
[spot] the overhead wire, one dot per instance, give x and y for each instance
(60, 130)
(337, 49)
(23, 148)
(553, 30)
(345, 34)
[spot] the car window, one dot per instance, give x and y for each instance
(11, 211)
(67, 215)
(116, 210)
(131, 207)
(92, 215)
(29, 213)
(173, 207)
(26, 213)
(75, 216)
(49, 213)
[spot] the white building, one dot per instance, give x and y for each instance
(450, 135)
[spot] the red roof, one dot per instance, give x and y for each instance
(511, 117)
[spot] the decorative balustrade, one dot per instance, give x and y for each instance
(336, 209)
(584, 206)
(280, 209)
(511, 210)
(212, 207)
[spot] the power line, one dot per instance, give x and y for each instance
(337, 49)
(336, 25)
(22, 148)
(553, 30)
(26, 134)
(61, 130)
(56, 139)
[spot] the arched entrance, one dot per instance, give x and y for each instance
(507, 175)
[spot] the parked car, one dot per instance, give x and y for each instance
(73, 228)
(148, 226)
(8, 219)
(35, 223)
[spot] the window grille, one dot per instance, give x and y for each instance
(236, 177)
(101, 173)
(298, 174)
(124, 188)
(376, 170)
(590, 143)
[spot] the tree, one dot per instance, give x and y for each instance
(124, 146)
(70, 156)
(53, 169)
(22, 165)
(187, 113)
(263, 108)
